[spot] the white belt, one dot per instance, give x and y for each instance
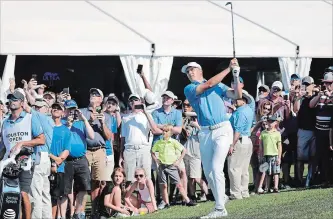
(136, 147)
(213, 127)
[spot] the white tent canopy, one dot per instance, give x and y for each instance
(178, 28)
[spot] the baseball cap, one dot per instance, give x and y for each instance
(16, 94)
(240, 80)
(329, 69)
(58, 104)
(265, 87)
(169, 94)
(112, 96)
(40, 103)
(295, 76)
(52, 94)
(190, 64)
(308, 80)
(134, 96)
(70, 104)
(246, 96)
(97, 90)
(277, 84)
(328, 77)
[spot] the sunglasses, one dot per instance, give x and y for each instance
(56, 108)
(95, 94)
(276, 89)
(187, 105)
(139, 175)
(133, 100)
(13, 99)
(262, 90)
(329, 83)
(111, 103)
(305, 84)
(266, 108)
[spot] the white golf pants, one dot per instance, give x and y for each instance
(40, 189)
(214, 147)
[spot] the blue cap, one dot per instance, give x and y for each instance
(240, 80)
(70, 104)
(295, 76)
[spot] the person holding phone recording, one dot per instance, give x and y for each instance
(96, 148)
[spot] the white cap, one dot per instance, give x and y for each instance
(98, 91)
(308, 80)
(134, 95)
(277, 84)
(328, 77)
(169, 94)
(190, 64)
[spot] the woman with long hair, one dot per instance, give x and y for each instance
(145, 201)
(264, 110)
(114, 204)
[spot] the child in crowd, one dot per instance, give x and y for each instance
(271, 148)
(145, 202)
(113, 196)
(168, 160)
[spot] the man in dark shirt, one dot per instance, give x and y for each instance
(306, 119)
(324, 107)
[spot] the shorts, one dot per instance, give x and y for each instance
(97, 164)
(168, 170)
(306, 146)
(193, 167)
(77, 170)
(109, 166)
(25, 178)
(57, 185)
(273, 169)
(137, 158)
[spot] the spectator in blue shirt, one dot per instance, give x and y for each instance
(40, 186)
(76, 167)
(59, 151)
(19, 130)
(168, 115)
(241, 150)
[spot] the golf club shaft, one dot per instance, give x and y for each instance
(233, 33)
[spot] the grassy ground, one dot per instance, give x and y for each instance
(313, 203)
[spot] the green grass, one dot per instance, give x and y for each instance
(313, 203)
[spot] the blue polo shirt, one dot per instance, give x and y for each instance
(61, 141)
(47, 125)
(78, 139)
(174, 118)
(241, 120)
(114, 129)
(36, 128)
(209, 105)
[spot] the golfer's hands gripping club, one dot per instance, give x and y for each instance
(234, 66)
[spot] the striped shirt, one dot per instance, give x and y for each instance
(323, 115)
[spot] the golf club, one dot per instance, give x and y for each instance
(232, 23)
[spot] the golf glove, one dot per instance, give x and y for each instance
(235, 71)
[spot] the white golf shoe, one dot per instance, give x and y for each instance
(216, 214)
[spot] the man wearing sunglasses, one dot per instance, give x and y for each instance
(306, 119)
(76, 167)
(263, 91)
(40, 186)
(20, 130)
(215, 137)
(96, 148)
(324, 108)
(135, 147)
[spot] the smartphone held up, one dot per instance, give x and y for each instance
(139, 69)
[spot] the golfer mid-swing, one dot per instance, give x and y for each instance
(216, 135)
